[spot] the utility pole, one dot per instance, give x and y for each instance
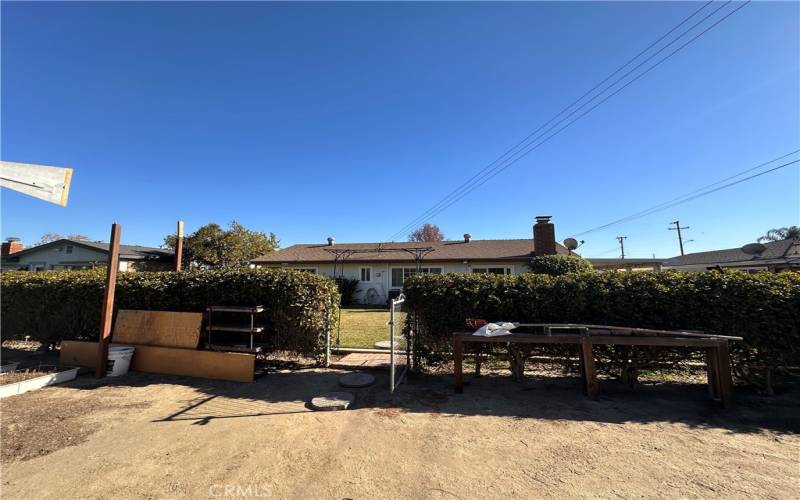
(621, 240)
(678, 228)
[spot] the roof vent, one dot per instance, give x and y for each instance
(331, 241)
(467, 237)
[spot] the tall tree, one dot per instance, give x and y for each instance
(51, 237)
(213, 246)
(427, 232)
(782, 233)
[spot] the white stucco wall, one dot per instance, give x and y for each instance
(56, 258)
(376, 291)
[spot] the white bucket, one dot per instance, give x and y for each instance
(119, 360)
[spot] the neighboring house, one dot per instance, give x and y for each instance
(381, 268)
(68, 254)
(778, 256)
(628, 264)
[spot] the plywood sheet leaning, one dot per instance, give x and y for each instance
(158, 328)
(235, 366)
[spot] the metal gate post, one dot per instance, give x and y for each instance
(391, 348)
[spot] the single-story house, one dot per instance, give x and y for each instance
(381, 268)
(66, 254)
(626, 264)
(777, 256)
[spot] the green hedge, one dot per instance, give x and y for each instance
(59, 305)
(762, 308)
(556, 265)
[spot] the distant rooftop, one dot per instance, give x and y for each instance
(130, 252)
(775, 250)
(519, 249)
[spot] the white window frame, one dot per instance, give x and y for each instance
(361, 274)
(423, 270)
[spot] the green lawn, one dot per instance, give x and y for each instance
(363, 327)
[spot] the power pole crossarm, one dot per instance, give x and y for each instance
(621, 240)
(678, 229)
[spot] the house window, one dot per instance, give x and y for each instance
(69, 248)
(312, 270)
(366, 274)
(491, 270)
(399, 274)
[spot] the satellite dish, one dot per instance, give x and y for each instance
(754, 249)
(40, 181)
(571, 243)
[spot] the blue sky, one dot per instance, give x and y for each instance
(350, 119)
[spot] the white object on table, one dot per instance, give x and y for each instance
(495, 329)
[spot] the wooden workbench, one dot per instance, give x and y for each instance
(585, 336)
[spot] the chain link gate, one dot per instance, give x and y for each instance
(397, 316)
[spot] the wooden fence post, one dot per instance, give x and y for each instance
(108, 301)
(179, 247)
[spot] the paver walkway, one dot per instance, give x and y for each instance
(368, 360)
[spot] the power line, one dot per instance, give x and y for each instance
(684, 199)
(488, 167)
(656, 208)
(500, 168)
(536, 146)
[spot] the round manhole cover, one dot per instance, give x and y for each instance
(333, 401)
(384, 344)
(356, 379)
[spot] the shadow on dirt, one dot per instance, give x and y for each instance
(283, 392)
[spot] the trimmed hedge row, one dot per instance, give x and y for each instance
(556, 265)
(54, 305)
(762, 308)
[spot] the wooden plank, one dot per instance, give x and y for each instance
(589, 372)
(596, 339)
(711, 372)
(158, 328)
(458, 361)
(725, 385)
(77, 353)
(233, 366)
(108, 302)
(179, 247)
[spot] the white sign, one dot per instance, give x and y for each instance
(40, 181)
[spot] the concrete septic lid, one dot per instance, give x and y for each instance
(384, 344)
(356, 379)
(333, 401)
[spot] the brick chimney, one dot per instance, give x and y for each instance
(11, 246)
(544, 236)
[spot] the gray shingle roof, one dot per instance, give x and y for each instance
(129, 252)
(521, 249)
(776, 250)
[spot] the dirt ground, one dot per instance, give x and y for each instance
(149, 436)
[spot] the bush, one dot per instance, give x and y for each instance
(347, 289)
(557, 265)
(762, 308)
(60, 305)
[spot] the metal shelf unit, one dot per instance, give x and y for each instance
(250, 327)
